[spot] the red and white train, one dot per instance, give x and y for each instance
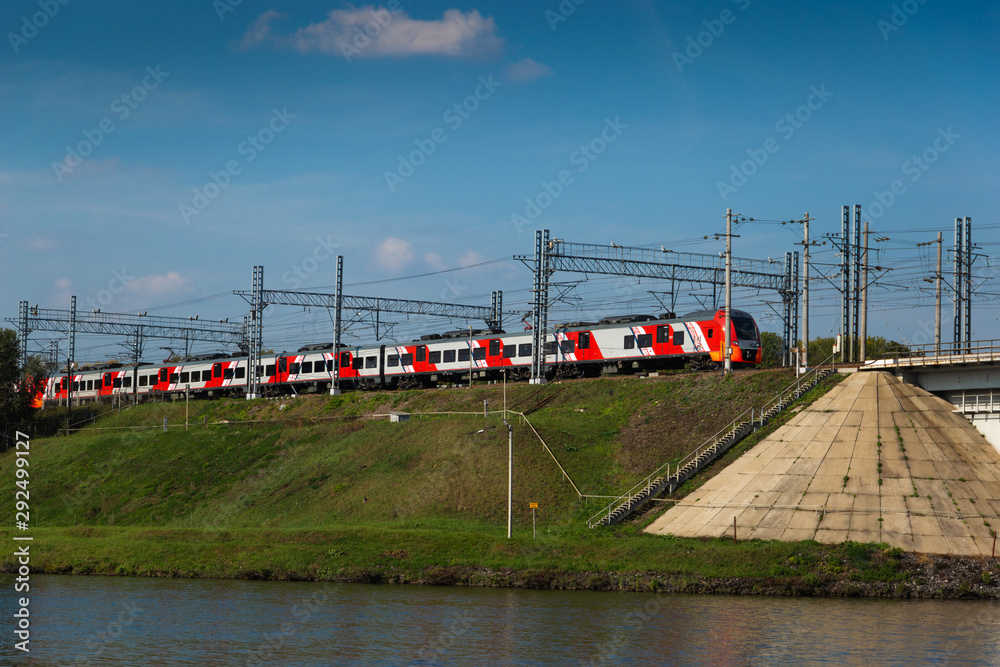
(613, 345)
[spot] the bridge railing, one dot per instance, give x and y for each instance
(945, 353)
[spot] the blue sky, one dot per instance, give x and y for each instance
(307, 137)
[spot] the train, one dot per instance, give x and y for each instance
(622, 344)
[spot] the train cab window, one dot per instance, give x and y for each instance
(583, 340)
(494, 347)
(509, 351)
(567, 347)
(282, 365)
(345, 359)
(479, 353)
(185, 377)
(227, 374)
(406, 359)
(550, 348)
(711, 333)
(524, 350)
(174, 377)
(358, 363)
(629, 342)
(449, 356)
(294, 368)
(645, 340)
(434, 357)
(421, 353)
(662, 333)
(678, 338)
(163, 375)
(127, 381)
(371, 362)
(307, 367)
(117, 383)
(392, 361)
(463, 354)
(240, 372)
(269, 370)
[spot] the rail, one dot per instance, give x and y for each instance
(767, 410)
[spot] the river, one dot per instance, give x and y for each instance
(122, 621)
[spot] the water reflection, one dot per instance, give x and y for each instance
(117, 621)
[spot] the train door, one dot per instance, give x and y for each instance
(381, 365)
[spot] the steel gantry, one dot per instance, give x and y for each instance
(259, 298)
(663, 264)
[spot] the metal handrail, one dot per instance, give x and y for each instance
(731, 428)
(933, 353)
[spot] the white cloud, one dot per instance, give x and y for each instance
(62, 283)
(374, 32)
(470, 257)
(393, 254)
(525, 71)
(434, 260)
(260, 30)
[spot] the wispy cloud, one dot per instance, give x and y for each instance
(393, 254)
(525, 71)
(378, 32)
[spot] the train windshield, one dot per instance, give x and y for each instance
(745, 328)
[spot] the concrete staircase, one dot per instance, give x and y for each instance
(667, 478)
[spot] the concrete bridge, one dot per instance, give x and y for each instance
(966, 375)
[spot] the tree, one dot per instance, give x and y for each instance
(773, 349)
(18, 386)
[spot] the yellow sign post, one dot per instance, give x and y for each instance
(533, 507)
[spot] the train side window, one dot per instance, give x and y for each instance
(449, 356)
(392, 361)
(329, 365)
(646, 340)
(228, 374)
(307, 367)
(282, 365)
(711, 333)
(185, 377)
(126, 381)
(163, 375)
(524, 350)
(117, 383)
(358, 364)
(629, 342)
(207, 375)
(345, 359)
(421, 353)
(509, 351)
(371, 362)
(479, 353)
(661, 333)
(567, 347)
(494, 347)
(550, 347)
(76, 385)
(463, 354)
(678, 338)
(240, 372)
(294, 368)
(583, 340)
(174, 377)
(269, 370)
(152, 381)
(260, 371)
(406, 359)
(142, 383)
(434, 357)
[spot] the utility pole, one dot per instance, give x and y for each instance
(863, 323)
(727, 334)
(856, 344)
(510, 478)
(805, 295)
(338, 302)
(845, 285)
(957, 299)
(937, 298)
(969, 257)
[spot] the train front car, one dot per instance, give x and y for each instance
(745, 338)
